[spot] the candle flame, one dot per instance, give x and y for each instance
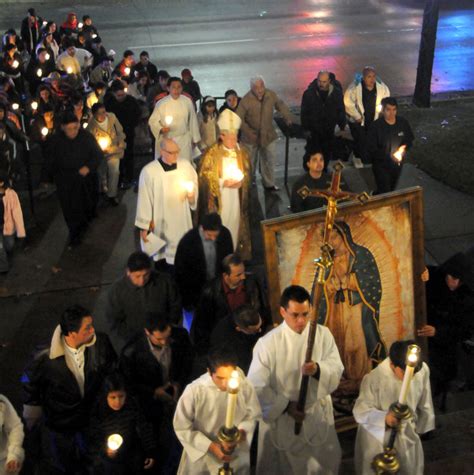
(84, 125)
(234, 380)
(233, 172)
(379, 108)
(39, 73)
(15, 64)
(168, 120)
(47, 56)
(188, 186)
(94, 36)
(413, 355)
(127, 71)
(15, 106)
(104, 142)
(114, 441)
(69, 70)
(34, 105)
(44, 131)
(80, 25)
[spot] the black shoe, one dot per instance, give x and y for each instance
(272, 188)
(113, 201)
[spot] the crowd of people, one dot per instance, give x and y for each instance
(149, 396)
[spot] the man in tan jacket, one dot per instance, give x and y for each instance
(258, 135)
(108, 132)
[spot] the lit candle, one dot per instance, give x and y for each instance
(168, 120)
(47, 56)
(15, 106)
(233, 172)
(104, 142)
(69, 70)
(39, 72)
(45, 22)
(34, 105)
(232, 393)
(379, 109)
(413, 355)
(127, 71)
(84, 125)
(94, 36)
(44, 131)
(80, 25)
(114, 442)
(398, 155)
(125, 89)
(188, 186)
(15, 64)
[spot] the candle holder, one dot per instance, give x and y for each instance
(228, 436)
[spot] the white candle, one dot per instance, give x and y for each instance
(127, 71)
(413, 354)
(44, 131)
(39, 72)
(69, 70)
(232, 393)
(103, 142)
(114, 442)
(15, 64)
(34, 105)
(168, 120)
(188, 186)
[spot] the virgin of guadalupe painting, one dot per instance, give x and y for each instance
(373, 293)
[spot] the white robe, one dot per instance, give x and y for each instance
(379, 389)
(200, 414)
(275, 372)
(162, 199)
(230, 201)
(184, 129)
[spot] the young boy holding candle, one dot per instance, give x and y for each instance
(207, 404)
(379, 389)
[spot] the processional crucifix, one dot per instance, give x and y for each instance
(333, 195)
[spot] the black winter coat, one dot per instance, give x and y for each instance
(190, 264)
(49, 383)
(318, 116)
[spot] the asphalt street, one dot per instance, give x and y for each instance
(225, 43)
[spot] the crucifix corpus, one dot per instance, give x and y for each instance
(333, 195)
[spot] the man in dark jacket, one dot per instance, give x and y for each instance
(190, 86)
(30, 30)
(322, 108)
(239, 331)
(73, 159)
(388, 140)
(140, 291)
(61, 386)
(199, 257)
(128, 112)
(224, 294)
(157, 363)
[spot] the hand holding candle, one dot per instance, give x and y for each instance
(232, 175)
(104, 142)
(127, 71)
(15, 64)
(399, 154)
(413, 356)
(114, 442)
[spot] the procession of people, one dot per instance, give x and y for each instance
(155, 394)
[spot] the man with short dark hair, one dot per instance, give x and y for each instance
(61, 386)
(124, 68)
(224, 294)
(174, 117)
(199, 257)
(201, 412)
(240, 331)
(73, 159)
(388, 140)
(276, 372)
(157, 363)
(139, 291)
(145, 66)
(379, 389)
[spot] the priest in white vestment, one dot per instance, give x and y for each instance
(174, 117)
(201, 412)
(276, 370)
(379, 389)
(168, 191)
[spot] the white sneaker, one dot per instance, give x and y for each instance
(357, 162)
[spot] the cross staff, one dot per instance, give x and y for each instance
(333, 195)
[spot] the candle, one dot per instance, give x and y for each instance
(44, 131)
(188, 186)
(379, 108)
(114, 442)
(47, 56)
(34, 105)
(15, 106)
(103, 142)
(127, 71)
(398, 155)
(168, 120)
(69, 70)
(94, 36)
(44, 23)
(233, 172)
(80, 25)
(413, 355)
(15, 64)
(84, 125)
(125, 89)
(39, 72)
(232, 393)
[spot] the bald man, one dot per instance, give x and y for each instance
(322, 108)
(168, 191)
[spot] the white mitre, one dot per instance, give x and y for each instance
(228, 121)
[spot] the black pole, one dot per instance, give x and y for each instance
(422, 95)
